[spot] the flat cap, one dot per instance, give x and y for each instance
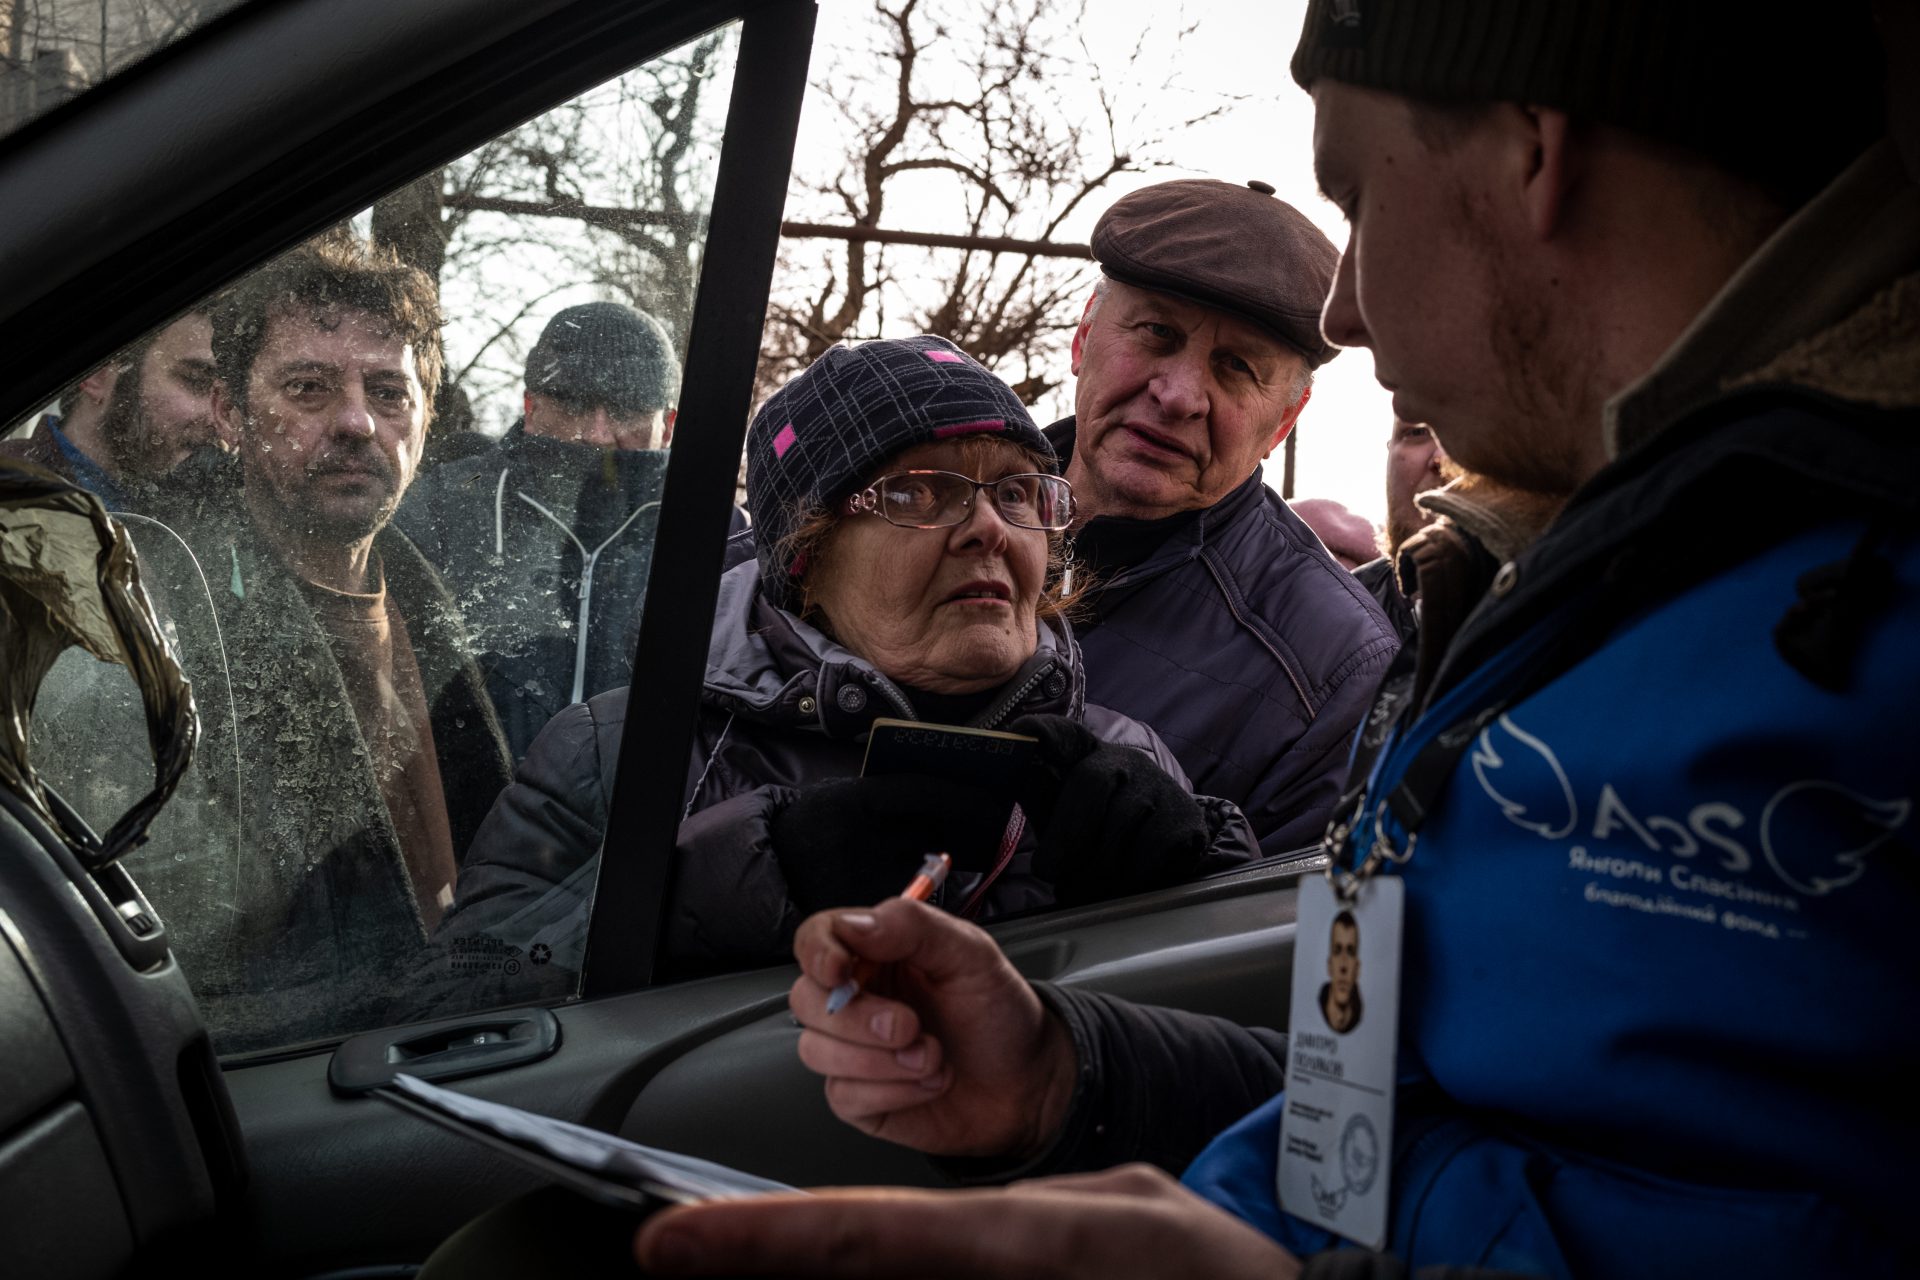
(1240, 249)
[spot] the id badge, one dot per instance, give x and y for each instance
(1336, 1134)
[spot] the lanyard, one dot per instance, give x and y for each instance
(1405, 767)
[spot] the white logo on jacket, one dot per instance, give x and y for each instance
(1814, 835)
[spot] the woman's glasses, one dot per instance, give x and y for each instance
(941, 499)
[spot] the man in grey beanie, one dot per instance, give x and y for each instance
(606, 374)
(546, 538)
(1650, 804)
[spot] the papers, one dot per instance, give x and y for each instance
(609, 1169)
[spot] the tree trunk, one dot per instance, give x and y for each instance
(411, 222)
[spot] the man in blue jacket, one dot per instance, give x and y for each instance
(1651, 805)
(1216, 615)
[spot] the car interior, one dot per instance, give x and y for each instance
(127, 1134)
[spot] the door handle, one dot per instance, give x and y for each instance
(444, 1050)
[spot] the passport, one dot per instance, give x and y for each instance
(990, 759)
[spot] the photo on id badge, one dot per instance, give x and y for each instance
(1336, 1131)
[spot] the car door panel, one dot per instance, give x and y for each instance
(708, 1068)
(744, 1099)
(320, 1160)
(105, 1126)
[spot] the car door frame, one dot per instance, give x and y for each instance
(212, 163)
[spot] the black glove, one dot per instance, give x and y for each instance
(1110, 820)
(851, 841)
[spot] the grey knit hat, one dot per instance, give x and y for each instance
(606, 353)
(1785, 96)
(820, 437)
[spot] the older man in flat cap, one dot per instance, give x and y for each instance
(1218, 617)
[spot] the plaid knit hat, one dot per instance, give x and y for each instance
(604, 353)
(820, 437)
(1784, 96)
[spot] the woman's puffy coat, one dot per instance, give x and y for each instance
(783, 706)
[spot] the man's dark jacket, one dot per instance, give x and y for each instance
(38, 447)
(545, 546)
(1249, 649)
(1377, 577)
(43, 445)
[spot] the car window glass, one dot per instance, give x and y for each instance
(394, 496)
(52, 51)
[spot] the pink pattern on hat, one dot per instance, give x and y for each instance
(969, 428)
(784, 441)
(946, 357)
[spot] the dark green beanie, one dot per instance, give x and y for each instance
(1785, 96)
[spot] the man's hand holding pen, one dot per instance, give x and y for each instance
(951, 1053)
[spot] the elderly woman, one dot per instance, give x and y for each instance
(909, 525)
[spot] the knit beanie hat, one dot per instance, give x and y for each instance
(1784, 97)
(606, 353)
(820, 437)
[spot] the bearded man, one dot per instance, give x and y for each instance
(129, 423)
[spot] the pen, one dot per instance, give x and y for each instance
(933, 874)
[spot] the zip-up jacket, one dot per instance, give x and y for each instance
(545, 545)
(1249, 649)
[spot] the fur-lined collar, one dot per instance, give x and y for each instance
(1831, 301)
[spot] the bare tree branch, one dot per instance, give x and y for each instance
(1003, 107)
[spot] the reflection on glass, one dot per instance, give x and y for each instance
(395, 497)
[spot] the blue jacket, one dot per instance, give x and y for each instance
(1657, 996)
(1249, 649)
(1657, 991)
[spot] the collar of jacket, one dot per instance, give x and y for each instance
(542, 455)
(1187, 537)
(1450, 564)
(79, 466)
(1826, 265)
(1828, 310)
(767, 664)
(1681, 508)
